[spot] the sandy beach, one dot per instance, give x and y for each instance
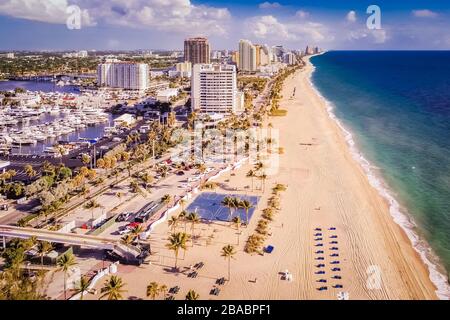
(326, 189)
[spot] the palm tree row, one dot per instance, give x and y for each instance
(234, 203)
(255, 241)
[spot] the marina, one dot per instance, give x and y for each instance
(40, 122)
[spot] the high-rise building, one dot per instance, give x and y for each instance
(124, 75)
(289, 58)
(214, 89)
(278, 51)
(10, 55)
(264, 56)
(258, 55)
(235, 57)
(309, 50)
(247, 56)
(197, 50)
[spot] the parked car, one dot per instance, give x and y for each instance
(125, 231)
(124, 216)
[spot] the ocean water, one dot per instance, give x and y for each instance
(394, 107)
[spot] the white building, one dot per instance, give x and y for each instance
(182, 69)
(124, 120)
(289, 58)
(214, 89)
(10, 55)
(265, 56)
(124, 75)
(247, 56)
(167, 94)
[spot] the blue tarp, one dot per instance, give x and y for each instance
(269, 249)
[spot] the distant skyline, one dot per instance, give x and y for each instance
(164, 24)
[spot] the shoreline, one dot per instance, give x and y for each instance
(399, 213)
(327, 189)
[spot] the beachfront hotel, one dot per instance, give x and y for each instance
(214, 89)
(123, 75)
(197, 50)
(247, 56)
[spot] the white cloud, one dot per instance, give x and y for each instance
(375, 36)
(351, 16)
(270, 28)
(165, 15)
(52, 11)
(425, 13)
(302, 14)
(269, 5)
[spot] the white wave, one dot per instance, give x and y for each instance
(404, 220)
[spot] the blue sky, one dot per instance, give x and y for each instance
(163, 24)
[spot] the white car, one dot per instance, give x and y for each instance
(125, 231)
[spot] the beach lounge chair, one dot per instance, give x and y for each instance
(338, 286)
(332, 229)
(320, 265)
(320, 272)
(318, 239)
(317, 229)
(319, 245)
(319, 252)
(334, 255)
(318, 235)
(333, 242)
(337, 277)
(333, 237)
(334, 248)
(335, 269)
(335, 262)
(320, 258)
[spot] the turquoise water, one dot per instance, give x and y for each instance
(397, 106)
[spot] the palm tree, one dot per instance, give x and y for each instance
(251, 174)
(228, 252)
(137, 232)
(30, 172)
(82, 286)
(177, 241)
(193, 218)
(65, 262)
(182, 204)
(183, 214)
(163, 289)
(153, 290)
(237, 222)
(43, 247)
(166, 199)
(113, 288)
(263, 178)
(192, 295)
(246, 205)
(230, 204)
(86, 159)
(173, 222)
(92, 205)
